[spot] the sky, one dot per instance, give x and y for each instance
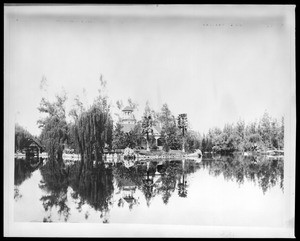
(217, 64)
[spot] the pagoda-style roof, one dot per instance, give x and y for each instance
(128, 108)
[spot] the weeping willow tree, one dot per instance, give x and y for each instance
(54, 126)
(92, 128)
(92, 132)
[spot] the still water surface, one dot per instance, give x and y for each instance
(219, 190)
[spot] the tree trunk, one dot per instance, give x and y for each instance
(147, 141)
(59, 154)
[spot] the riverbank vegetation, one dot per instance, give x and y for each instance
(91, 130)
(265, 134)
(21, 136)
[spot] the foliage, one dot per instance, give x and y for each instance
(119, 137)
(21, 136)
(54, 126)
(170, 133)
(93, 131)
(131, 139)
(193, 141)
(261, 136)
(55, 185)
(147, 130)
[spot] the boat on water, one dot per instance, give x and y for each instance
(196, 154)
(196, 159)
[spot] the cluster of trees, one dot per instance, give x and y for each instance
(54, 126)
(266, 134)
(91, 130)
(171, 136)
(21, 137)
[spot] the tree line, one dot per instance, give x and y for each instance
(265, 134)
(92, 130)
(21, 137)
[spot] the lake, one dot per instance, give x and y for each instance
(215, 190)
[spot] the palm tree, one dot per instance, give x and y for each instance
(147, 128)
(182, 124)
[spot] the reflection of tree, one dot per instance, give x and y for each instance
(148, 187)
(95, 187)
(17, 194)
(182, 182)
(23, 171)
(266, 172)
(269, 173)
(188, 167)
(57, 199)
(173, 171)
(55, 183)
(24, 168)
(168, 184)
(133, 174)
(128, 180)
(182, 186)
(169, 179)
(155, 178)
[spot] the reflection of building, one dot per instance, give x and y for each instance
(128, 119)
(128, 189)
(151, 183)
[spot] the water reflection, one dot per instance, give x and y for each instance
(115, 185)
(55, 183)
(23, 170)
(258, 169)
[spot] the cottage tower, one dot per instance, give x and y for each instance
(128, 119)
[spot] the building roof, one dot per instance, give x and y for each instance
(157, 129)
(128, 108)
(32, 141)
(129, 199)
(127, 127)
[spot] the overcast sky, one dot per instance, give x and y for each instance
(217, 65)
